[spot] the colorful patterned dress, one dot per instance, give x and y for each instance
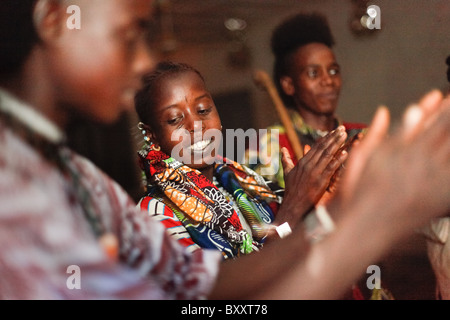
(228, 214)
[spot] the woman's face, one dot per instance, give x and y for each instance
(315, 80)
(185, 122)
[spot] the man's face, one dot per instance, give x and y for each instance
(316, 79)
(97, 70)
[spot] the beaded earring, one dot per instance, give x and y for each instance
(147, 138)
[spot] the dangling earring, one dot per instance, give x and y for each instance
(144, 132)
(154, 147)
(147, 140)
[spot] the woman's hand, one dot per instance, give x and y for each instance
(308, 180)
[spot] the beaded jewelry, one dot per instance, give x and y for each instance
(147, 140)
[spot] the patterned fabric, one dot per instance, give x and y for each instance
(276, 138)
(44, 231)
(171, 220)
(233, 224)
(194, 236)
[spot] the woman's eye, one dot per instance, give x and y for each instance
(174, 121)
(205, 111)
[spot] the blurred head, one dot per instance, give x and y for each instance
(94, 71)
(179, 114)
(306, 72)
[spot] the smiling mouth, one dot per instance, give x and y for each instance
(200, 146)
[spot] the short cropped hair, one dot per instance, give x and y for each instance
(145, 99)
(17, 34)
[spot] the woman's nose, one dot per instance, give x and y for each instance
(194, 124)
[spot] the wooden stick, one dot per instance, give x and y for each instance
(262, 79)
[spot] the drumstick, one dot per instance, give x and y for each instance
(262, 79)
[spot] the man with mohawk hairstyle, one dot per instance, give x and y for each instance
(308, 79)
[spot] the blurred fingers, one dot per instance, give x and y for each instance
(286, 161)
(420, 115)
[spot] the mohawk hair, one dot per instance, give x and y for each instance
(299, 30)
(294, 32)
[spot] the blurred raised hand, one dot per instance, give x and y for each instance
(405, 175)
